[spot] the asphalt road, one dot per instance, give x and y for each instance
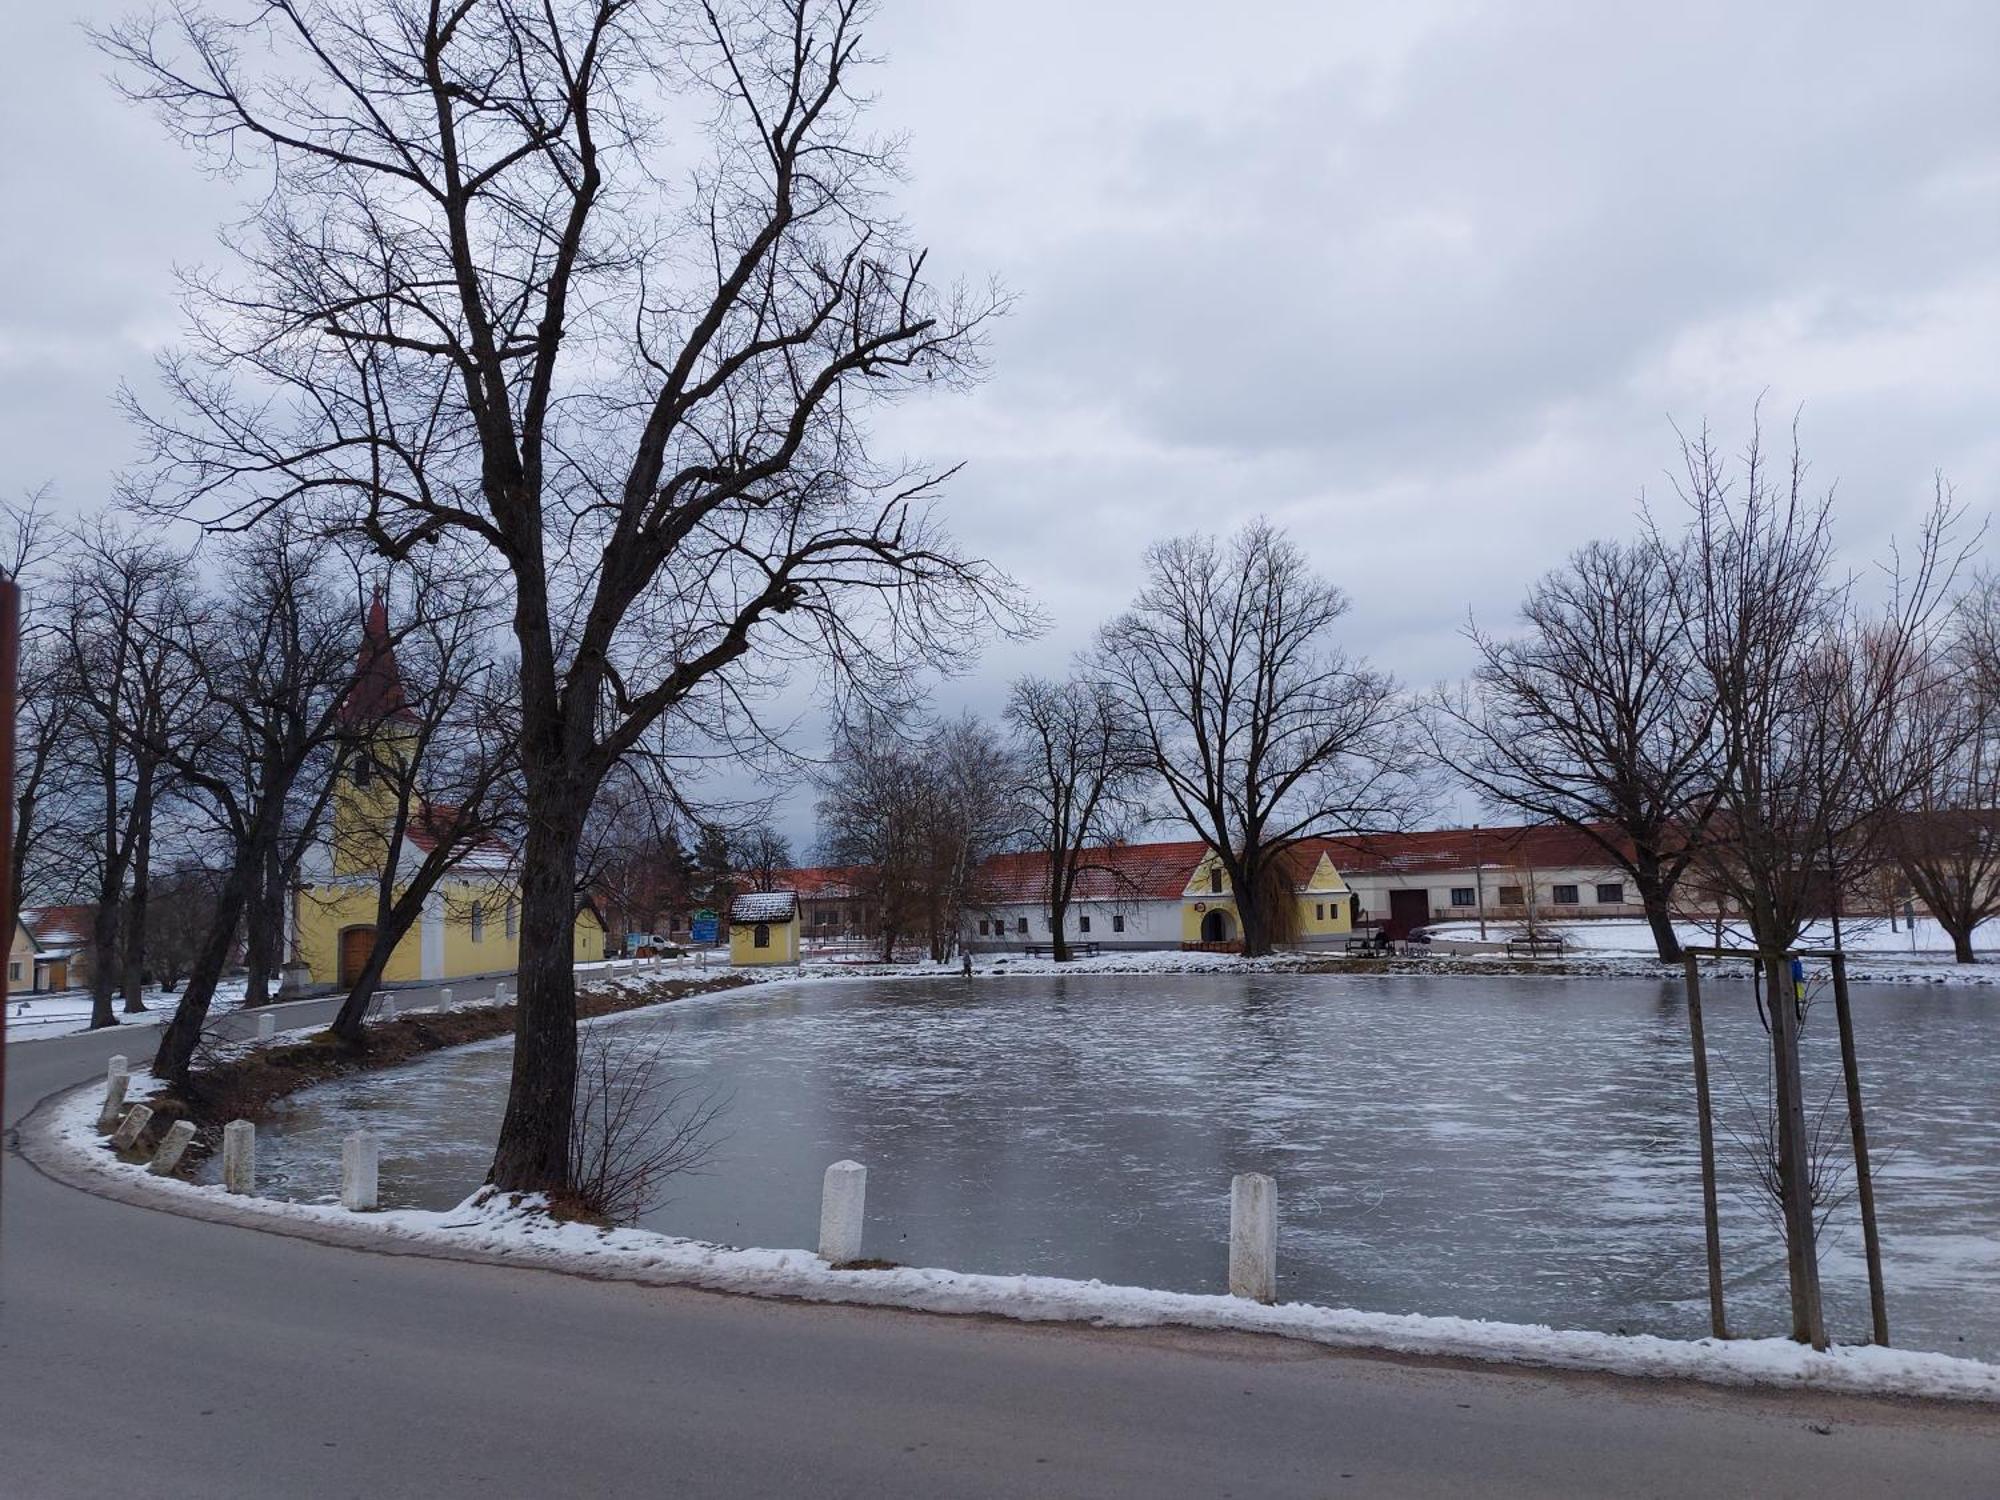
(146, 1354)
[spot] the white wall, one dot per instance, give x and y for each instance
(1148, 924)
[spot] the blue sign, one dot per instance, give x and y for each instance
(704, 928)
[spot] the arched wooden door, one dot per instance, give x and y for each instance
(355, 943)
(1215, 926)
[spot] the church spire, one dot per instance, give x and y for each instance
(377, 694)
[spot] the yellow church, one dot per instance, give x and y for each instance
(470, 924)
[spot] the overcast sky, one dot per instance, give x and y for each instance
(1424, 282)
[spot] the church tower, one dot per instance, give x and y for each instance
(378, 735)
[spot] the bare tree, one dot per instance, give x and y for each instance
(1811, 692)
(46, 822)
(122, 603)
(1945, 835)
(964, 775)
(273, 660)
(763, 854)
(470, 303)
(181, 909)
(1263, 731)
(870, 819)
(1078, 768)
(631, 862)
(1592, 718)
(637, 1125)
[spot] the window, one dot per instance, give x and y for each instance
(1563, 895)
(513, 921)
(1510, 895)
(1319, 911)
(1464, 895)
(14, 969)
(364, 769)
(1021, 926)
(760, 936)
(478, 923)
(1215, 882)
(982, 929)
(1611, 893)
(1118, 921)
(1083, 924)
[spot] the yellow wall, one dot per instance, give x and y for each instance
(21, 962)
(1324, 908)
(587, 937)
(325, 911)
(784, 948)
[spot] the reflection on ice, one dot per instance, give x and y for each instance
(1509, 1148)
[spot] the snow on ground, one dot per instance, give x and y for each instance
(31, 1017)
(1876, 954)
(491, 1228)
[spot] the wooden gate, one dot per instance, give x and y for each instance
(1408, 910)
(355, 945)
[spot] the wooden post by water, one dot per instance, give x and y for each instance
(1864, 1180)
(1705, 1116)
(1794, 1156)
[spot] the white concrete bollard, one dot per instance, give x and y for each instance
(169, 1155)
(500, 989)
(444, 999)
(137, 1118)
(116, 1081)
(267, 1027)
(385, 1006)
(239, 1157)
(360, 1170)
(843, 1199)
(1253, 1237)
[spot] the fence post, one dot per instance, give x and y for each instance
(360, 1167)
(1711, 1222)
(267, 1026)
(169, 1155)
(843, 1198)
(239, 1157)
(1864, 1177)
(116, 1081)
(131, 1127)
(1253, 1237)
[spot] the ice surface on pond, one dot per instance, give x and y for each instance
(1510, 1148)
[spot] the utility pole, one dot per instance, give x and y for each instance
(1479, 879)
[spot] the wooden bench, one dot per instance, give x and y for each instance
(1367, 942)
(1537, 947)
(1076, 950)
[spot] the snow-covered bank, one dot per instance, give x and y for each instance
(61, 1138)
(1587, 962)
(31, 1017)
(1876, 953)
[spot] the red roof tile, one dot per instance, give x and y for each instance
(1122, 872)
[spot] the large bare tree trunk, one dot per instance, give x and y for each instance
(1656, 896)
(181, 1035)
(135, 901)
(533, 1151)
(104, 957)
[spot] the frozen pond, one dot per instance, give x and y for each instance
(1506, 1148)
